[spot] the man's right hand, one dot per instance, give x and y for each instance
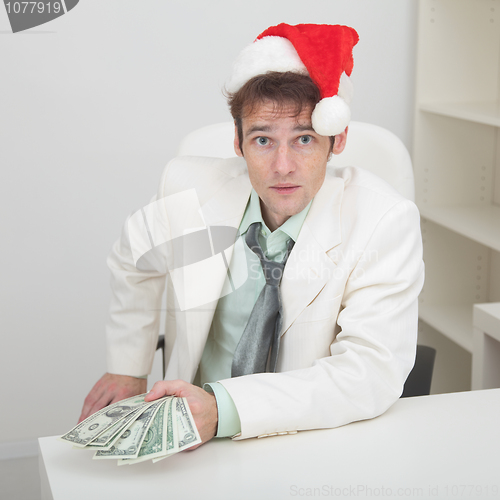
(109, 389)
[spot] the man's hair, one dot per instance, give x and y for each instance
(284, 90)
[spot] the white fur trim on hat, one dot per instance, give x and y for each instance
(271, 53)
(331, 116)
(346, 88)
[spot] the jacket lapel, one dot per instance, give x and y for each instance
(309, 267)
(226, 208)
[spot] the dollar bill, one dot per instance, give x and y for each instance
(134, 431)
(186, 428)
(171, 433)
(95, 425)
(170, 429)
(108, 438)
(161, 437)
(130, 441)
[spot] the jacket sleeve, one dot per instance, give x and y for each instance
(371, 355)
(140, 260)
(138, 266)
(136, 293)
(134, 317)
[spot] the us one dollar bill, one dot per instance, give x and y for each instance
(108, 438)
(186, 428)
(161, 440)
(133, 431)
(98, 423)
(130, 441)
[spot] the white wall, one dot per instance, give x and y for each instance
(92, 106)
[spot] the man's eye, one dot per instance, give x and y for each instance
(262, 141)
(305, 139)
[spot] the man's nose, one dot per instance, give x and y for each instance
(284, 162)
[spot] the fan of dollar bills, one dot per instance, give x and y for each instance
(133, 430)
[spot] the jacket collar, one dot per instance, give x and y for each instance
(309, 266)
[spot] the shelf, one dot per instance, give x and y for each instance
(487, 113)
(478, 223)
(453, 321)
(456, 159)
(487, 318)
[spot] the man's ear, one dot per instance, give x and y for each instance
(340, 142)
(237, 148)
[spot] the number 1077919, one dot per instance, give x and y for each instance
(32, 7)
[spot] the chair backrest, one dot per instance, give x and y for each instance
(368, 146)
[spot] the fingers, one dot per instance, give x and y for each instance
(202, 404)
(195, 446)
(168, 388)
(92, 406)
(92, 401)
(111, 388)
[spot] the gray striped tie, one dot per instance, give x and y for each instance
(261, 336)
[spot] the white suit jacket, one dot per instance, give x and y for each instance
(349, 296)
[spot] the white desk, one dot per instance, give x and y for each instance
(444, 446)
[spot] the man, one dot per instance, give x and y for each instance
(342, 344)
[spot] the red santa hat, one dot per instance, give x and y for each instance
(322, 51)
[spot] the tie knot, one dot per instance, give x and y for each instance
(273, 271)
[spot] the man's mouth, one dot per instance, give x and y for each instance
(285, 188)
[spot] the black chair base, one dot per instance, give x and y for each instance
(419, 380)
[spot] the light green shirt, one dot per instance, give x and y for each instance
(233, 310)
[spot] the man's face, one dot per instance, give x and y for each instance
(286, 159)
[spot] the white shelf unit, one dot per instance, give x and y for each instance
(456, 157)
(486, 354)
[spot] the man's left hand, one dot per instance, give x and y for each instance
(202, 404)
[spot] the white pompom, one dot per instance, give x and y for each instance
(331, 116)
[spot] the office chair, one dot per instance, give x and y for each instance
(419, 380)
(368, 146)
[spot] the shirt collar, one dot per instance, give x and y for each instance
(291, 227)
